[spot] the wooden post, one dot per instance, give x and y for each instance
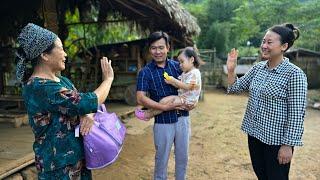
(137, 55)
(49, 10)
(16, 165)
(171, 48)
(1, 80)
(50, 16)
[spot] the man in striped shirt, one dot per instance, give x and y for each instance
(171, 126)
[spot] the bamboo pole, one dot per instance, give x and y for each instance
(16, 166)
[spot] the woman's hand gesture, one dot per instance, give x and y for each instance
(232, 60)
(107, 71)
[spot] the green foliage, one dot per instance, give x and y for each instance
(83, 36)
(227, 24)
(309, 23)
(221, 10)
(244, 23)
(219, 37)
(248, 51)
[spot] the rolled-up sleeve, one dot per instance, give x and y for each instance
(297, 100)
(243, 83)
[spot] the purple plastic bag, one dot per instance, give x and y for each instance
(104, 142)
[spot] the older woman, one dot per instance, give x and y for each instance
(54, 105)
(276, 106)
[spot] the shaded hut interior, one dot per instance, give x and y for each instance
(143, 15)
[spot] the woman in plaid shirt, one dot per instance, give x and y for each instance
(276, 106)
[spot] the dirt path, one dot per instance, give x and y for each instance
(218, 148)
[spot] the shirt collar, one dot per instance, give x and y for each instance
(280, 66)
(154, 64)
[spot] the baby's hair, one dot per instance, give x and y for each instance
(192, 52)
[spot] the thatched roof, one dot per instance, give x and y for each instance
(151, 15)
(179, 15)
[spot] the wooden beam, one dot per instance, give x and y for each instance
(16, 165)
(131, 8)
(146, 5)
(1, 81)
(107, 21)
(49, 13)
(110, 4)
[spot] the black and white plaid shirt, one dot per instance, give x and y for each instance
(277, 103)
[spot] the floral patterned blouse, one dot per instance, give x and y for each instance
(53, 109)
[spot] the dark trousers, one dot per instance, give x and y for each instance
(264, 159)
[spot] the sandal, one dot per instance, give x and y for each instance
(140, 114)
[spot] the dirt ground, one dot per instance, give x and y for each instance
(218, 148)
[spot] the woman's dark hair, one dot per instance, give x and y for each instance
(155, 36)
(192, 52)
(29, 70)
(288, 33)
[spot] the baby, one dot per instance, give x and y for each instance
(189, 84)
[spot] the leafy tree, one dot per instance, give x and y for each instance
(307, 17)
(221, 10)
(214, 19)
(227, 24)
(217, 37)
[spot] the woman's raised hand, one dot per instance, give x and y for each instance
(232, 60)
(107, 71)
